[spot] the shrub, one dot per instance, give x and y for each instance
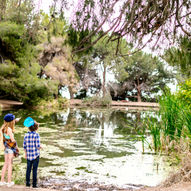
(98, 101)
(63, 102)
(184, 92)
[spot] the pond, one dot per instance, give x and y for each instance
(93, 145)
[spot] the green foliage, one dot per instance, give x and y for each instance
(98, 101)
(13, 43)
(53, 104)
(155, 130)
(18, 68)
(184, 92)
(180, 57)
(172, 115)
(62, 102)
(142, 75)
(171, 132)
(75, 37)
(22, 13)
(18, 11)
(52, 26)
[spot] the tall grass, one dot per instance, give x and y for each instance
(171, 112)
(173, 130)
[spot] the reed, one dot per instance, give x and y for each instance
(171, 112)
(173, 130)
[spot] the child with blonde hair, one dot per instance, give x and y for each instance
(10, 147)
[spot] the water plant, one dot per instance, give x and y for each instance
(172, 132)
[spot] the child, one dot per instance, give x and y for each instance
(32, 148)
(10, 147)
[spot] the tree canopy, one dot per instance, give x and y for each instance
(140, 76)
(140, 22)
(180, 56)
(40, 53)
(18, 67)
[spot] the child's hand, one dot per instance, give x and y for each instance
(25, 156)
(17, 119)
(41, 148)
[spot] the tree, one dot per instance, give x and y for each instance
(89, 78)
(22, 12)
(180, 57)
(19, 68)
(56, 63)
(141, 73)
(104, 54)
(141, 22)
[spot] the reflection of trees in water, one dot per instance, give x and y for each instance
(106, 123)
(127, 122)
(105, 131)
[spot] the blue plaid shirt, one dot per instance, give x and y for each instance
(32, 145)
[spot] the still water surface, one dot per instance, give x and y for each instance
(93, 145)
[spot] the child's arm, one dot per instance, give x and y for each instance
(38, 142)
(25, 154)
(10, 133)
(25, 147)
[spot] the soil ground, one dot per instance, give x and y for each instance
(22, 188)
(121, 103)
(185, 186)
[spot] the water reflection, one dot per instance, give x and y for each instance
(95, 145)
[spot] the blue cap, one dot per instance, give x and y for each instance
(9, 117)
(28, 122)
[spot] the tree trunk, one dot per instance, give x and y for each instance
(138, 91)
(138, 94)
(71, 92)
(104, 79)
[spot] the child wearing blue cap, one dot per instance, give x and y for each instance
(10, 147)
(32, 148)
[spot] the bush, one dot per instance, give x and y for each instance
(98, 101)
(53, 104)
(184, 92)
(62, 102)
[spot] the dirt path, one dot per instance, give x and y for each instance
(121, 103)
(23, 188)
(8, 104)
(186, 186)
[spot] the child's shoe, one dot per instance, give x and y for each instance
(2, 183)
(9, 184)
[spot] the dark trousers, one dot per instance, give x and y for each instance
(30, 164)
